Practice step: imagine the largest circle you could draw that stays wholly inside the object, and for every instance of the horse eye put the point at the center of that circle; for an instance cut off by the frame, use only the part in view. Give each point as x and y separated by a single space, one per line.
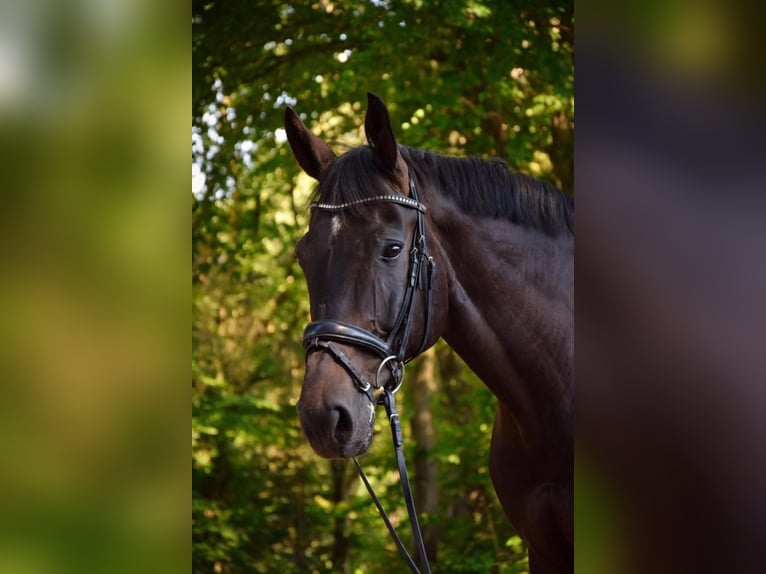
392 251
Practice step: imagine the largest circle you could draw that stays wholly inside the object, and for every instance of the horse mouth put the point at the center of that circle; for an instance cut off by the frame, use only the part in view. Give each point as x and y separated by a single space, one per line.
336 449
350 444
355 448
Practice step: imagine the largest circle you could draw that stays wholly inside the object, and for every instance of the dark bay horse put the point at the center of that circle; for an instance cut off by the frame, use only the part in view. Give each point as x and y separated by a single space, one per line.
405 246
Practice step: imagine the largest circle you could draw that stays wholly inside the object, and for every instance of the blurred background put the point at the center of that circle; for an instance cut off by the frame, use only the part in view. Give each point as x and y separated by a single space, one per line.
488 78
94 289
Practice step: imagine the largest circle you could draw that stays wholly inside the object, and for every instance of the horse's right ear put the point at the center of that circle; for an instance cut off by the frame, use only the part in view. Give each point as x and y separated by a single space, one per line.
312 153
380 134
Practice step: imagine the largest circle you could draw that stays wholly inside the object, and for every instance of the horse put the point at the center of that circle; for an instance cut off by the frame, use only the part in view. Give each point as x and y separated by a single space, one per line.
405 246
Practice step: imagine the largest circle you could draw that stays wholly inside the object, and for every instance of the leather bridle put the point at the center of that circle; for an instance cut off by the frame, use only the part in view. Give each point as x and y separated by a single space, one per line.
321 336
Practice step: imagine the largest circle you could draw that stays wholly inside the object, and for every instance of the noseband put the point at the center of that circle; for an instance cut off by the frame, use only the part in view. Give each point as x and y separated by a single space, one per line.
320 336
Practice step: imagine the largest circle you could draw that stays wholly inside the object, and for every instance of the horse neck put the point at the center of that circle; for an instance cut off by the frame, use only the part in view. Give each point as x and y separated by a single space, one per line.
510 312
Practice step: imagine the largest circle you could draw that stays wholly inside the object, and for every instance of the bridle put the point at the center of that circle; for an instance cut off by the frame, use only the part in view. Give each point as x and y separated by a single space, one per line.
321 336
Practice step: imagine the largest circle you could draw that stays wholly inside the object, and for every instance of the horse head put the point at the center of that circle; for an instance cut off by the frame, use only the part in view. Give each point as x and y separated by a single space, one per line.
369 276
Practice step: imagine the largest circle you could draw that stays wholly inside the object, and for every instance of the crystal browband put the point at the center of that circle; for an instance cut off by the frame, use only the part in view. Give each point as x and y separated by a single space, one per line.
400 199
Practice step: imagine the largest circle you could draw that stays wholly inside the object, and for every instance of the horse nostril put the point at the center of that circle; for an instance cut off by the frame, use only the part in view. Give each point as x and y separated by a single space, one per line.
344 427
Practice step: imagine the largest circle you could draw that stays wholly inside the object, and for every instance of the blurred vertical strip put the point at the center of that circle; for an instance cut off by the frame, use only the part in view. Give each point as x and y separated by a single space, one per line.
94 235
671 314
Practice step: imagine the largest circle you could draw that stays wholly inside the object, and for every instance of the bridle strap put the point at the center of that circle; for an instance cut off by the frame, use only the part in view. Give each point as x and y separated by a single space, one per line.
341 358
391 530
396 435
399 335
427 324
345 333
412 202
318 334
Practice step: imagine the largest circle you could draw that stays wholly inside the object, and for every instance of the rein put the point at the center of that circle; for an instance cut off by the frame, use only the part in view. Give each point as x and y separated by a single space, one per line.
320 335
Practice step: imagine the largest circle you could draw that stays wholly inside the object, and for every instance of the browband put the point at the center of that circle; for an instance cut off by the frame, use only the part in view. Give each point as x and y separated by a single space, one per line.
400 199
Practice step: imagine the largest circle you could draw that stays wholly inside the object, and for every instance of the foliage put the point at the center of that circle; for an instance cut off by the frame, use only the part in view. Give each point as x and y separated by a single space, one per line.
461 77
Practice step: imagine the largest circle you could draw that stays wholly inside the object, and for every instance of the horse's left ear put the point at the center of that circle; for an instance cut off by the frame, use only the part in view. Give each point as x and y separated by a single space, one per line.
380 134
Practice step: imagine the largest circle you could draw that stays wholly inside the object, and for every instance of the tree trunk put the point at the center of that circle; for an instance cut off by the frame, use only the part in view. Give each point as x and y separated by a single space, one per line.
299 520
423 433
340 484
453 387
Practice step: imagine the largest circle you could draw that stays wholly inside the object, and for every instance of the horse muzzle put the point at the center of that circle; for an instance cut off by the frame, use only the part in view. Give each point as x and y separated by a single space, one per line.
335 417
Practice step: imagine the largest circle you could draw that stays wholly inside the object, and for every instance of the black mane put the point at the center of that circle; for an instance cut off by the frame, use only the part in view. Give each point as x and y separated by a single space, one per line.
489 188
482 187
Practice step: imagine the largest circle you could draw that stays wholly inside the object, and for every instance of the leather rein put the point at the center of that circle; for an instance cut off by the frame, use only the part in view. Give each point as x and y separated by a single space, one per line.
320 336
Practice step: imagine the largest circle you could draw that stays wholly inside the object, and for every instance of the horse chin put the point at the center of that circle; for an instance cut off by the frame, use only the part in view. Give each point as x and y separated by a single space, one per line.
356 448
336 449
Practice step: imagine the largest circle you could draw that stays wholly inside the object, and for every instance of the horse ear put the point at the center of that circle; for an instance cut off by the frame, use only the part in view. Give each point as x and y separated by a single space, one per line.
312 153
380 134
